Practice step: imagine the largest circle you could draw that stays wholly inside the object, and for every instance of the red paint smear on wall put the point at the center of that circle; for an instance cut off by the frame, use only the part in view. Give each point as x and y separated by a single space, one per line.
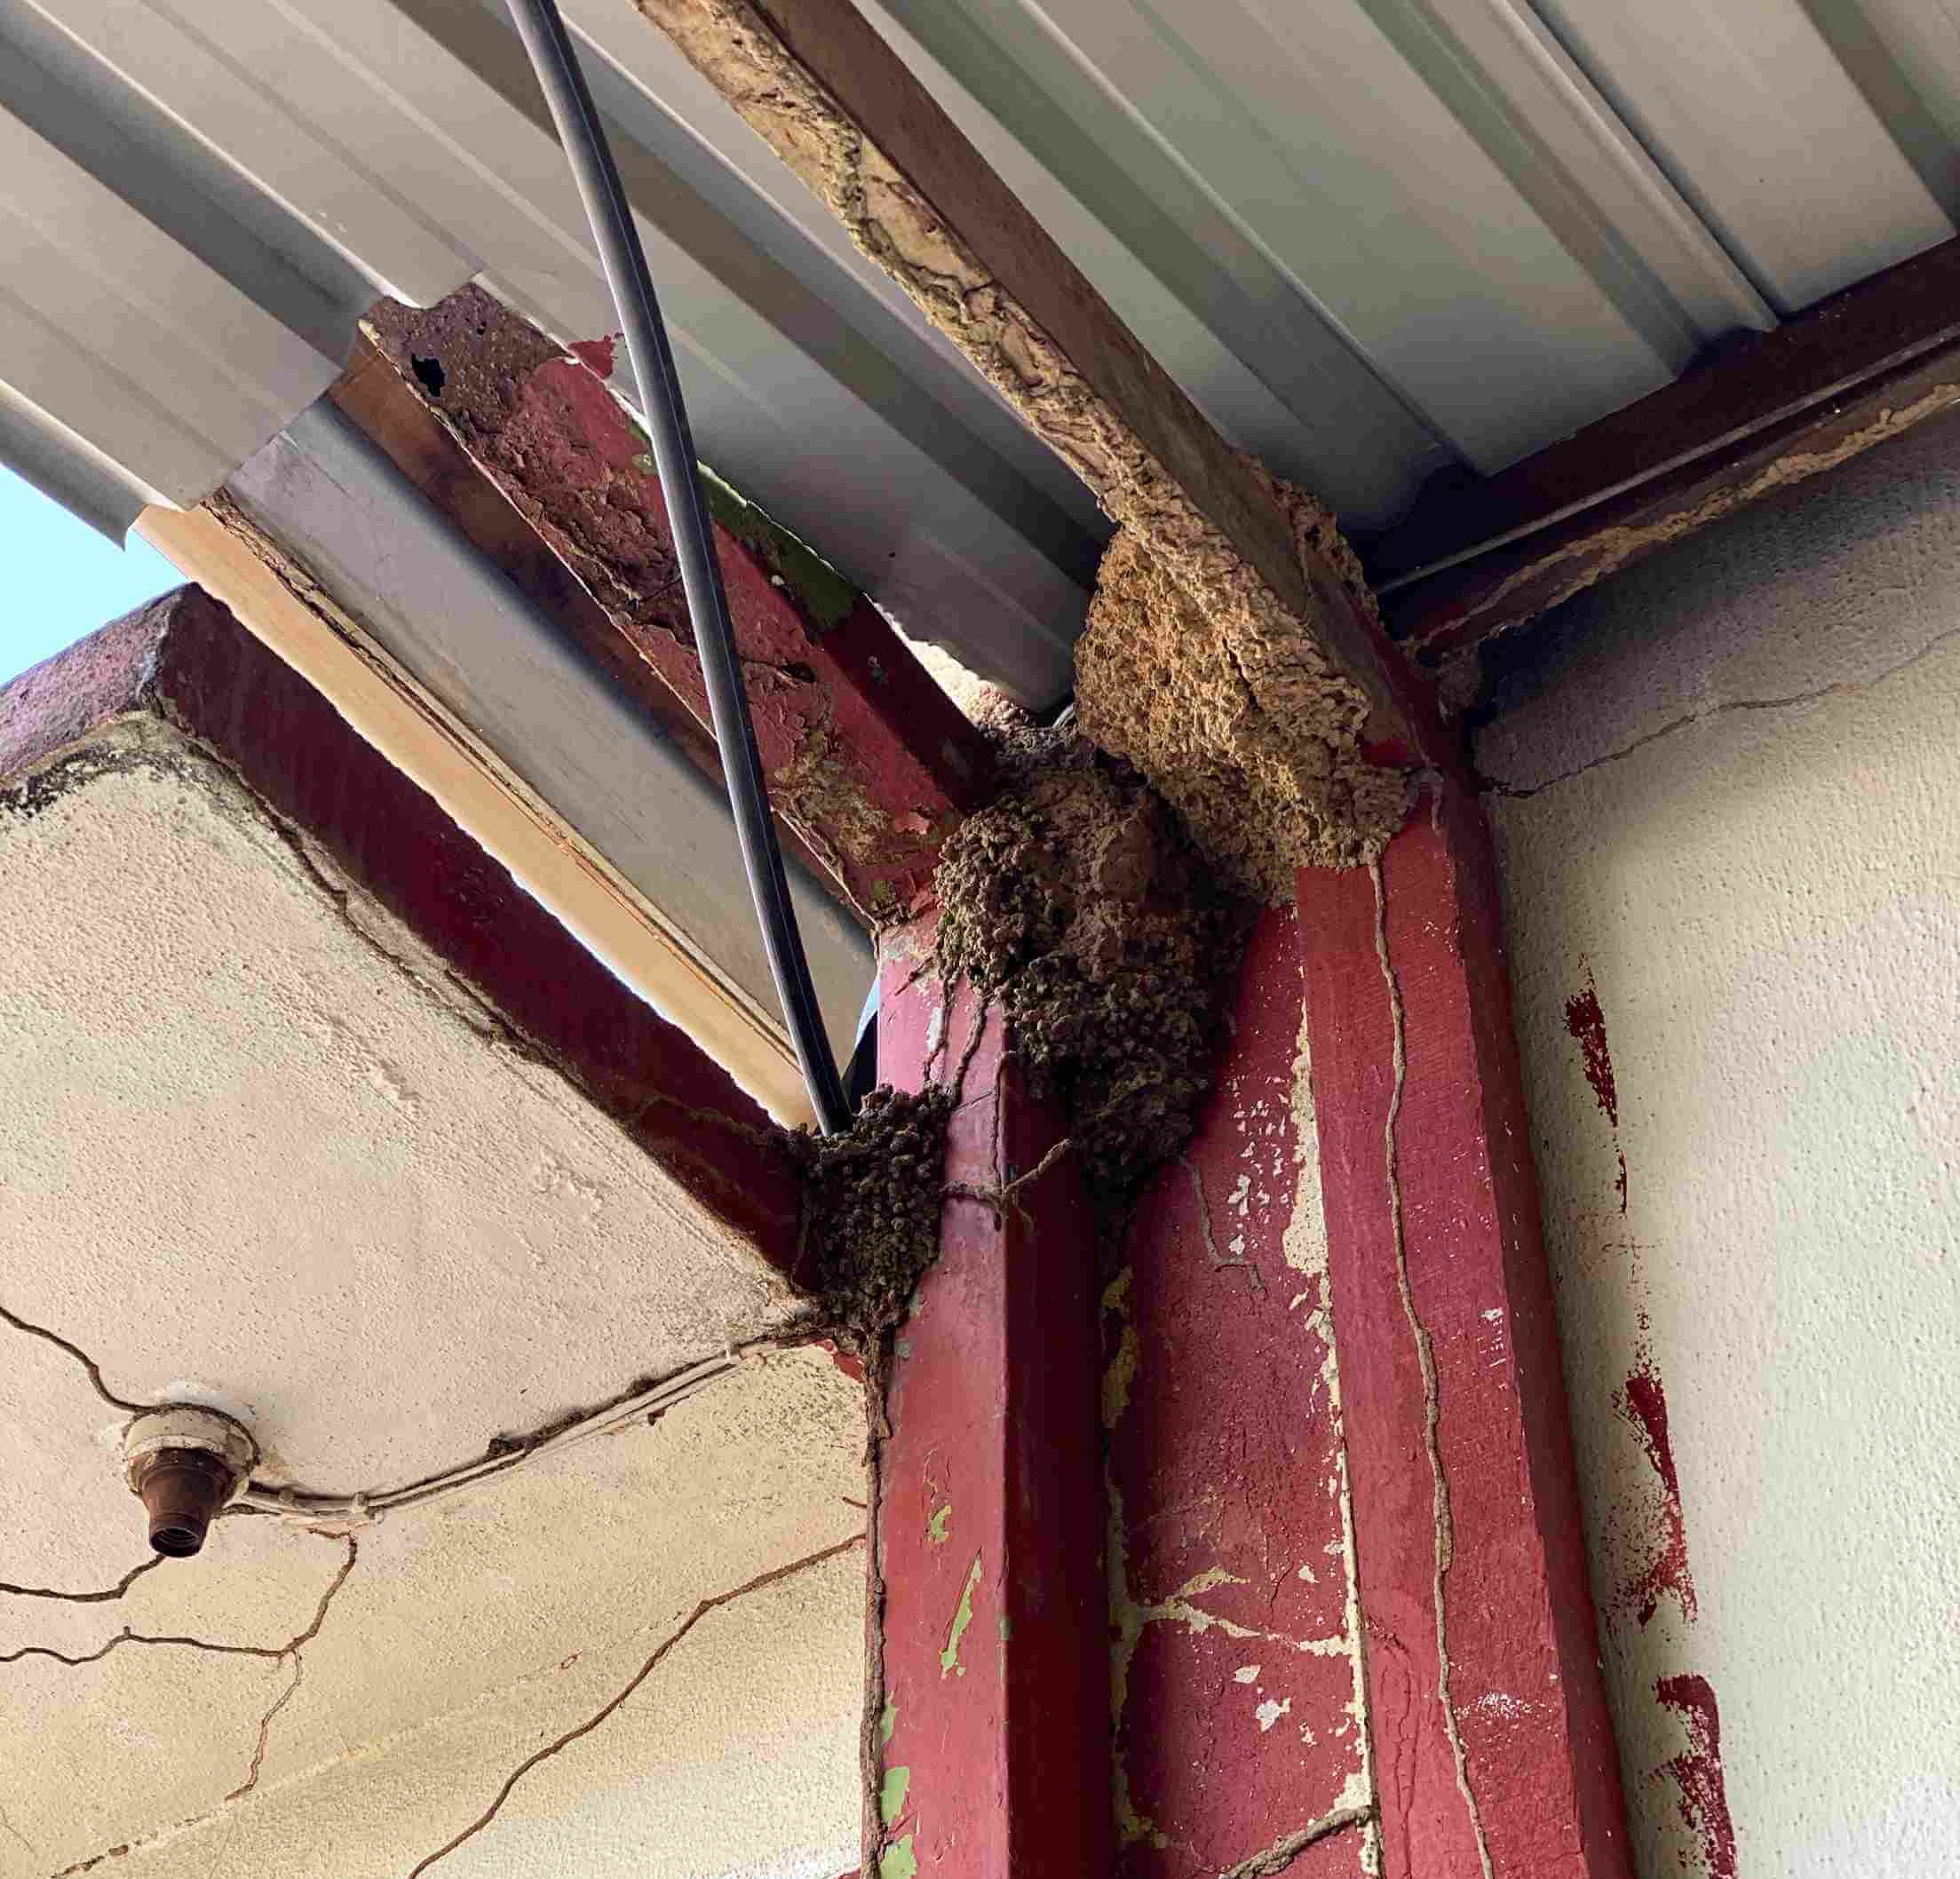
1647 1403
1698 1770
1643 1401
1588 1025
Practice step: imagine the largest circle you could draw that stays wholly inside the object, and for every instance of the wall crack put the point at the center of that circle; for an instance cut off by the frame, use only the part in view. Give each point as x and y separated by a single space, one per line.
295 1650
270 1654
113 1592
1288 1847
1219 1263
80 1357
661 1652
1706 714
1425 1357
14 1834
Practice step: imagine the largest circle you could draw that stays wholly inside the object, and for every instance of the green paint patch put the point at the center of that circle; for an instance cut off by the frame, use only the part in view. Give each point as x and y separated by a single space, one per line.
828 598
1006 1628
897 1860
888 1720
949 1658
897 1782
935 1525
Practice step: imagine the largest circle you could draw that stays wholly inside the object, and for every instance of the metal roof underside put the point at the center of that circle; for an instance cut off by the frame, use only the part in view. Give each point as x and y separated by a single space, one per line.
1373 239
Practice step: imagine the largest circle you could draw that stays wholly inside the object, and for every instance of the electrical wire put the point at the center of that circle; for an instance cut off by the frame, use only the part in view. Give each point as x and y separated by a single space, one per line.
584 139
644 1403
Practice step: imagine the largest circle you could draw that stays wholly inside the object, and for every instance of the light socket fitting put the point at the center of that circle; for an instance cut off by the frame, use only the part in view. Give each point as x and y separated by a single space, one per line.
184 1462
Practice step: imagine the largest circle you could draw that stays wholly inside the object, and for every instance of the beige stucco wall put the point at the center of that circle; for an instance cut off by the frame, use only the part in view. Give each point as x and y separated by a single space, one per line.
257 1151
1726 809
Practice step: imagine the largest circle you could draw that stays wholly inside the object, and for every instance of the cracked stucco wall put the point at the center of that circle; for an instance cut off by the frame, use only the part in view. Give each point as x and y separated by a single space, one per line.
248 1111
260 1152
464 1639
1725 792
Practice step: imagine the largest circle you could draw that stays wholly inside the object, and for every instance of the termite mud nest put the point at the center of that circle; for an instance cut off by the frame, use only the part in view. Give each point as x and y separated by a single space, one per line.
1079 904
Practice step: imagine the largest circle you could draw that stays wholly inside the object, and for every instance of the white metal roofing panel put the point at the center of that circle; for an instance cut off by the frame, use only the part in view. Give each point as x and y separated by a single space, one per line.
543 707
1764 131
1374 238
1921 39
794 401
1332 152
1209 301
115 334
236 79
640 79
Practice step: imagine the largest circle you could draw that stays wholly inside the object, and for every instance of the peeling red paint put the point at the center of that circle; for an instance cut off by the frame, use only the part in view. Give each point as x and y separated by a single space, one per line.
989 1604
868 761
1697 1770
1224 1461
1647 1403
1587 1023
1664 1570
847 1361
1650 1533
597 354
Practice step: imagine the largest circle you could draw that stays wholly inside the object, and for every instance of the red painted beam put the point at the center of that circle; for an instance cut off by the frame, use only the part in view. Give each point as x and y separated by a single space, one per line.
1238 1738
869 765
1494 1750
185 661
990 1664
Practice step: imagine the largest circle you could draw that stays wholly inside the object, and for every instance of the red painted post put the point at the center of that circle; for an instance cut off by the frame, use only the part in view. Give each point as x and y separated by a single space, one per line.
988 1655
1494 1749
1240 1744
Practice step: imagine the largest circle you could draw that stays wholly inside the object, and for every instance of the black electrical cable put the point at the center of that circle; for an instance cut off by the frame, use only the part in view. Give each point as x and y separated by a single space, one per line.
579 131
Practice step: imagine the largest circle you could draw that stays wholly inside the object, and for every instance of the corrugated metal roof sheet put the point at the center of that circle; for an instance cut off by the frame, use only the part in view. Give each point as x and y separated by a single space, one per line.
1372 238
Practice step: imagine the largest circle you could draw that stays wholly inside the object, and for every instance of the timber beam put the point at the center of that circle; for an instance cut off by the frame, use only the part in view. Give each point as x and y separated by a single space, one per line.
522 445
814 79
1766 410
1492 1748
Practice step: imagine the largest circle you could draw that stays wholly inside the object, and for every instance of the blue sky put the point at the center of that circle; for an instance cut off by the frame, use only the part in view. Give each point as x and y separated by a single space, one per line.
63 580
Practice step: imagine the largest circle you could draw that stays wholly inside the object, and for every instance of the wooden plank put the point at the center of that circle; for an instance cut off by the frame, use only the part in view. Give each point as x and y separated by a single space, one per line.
869 765
1764 411
1135 438
1492 1748
990 1700
422 741
188 661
